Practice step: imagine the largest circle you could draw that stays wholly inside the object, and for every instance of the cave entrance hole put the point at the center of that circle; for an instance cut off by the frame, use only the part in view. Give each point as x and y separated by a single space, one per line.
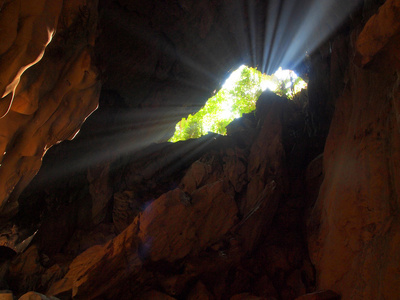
237 96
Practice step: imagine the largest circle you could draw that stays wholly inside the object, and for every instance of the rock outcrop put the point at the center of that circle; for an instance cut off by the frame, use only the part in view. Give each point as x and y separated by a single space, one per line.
196 218
354 225
270 211
46 99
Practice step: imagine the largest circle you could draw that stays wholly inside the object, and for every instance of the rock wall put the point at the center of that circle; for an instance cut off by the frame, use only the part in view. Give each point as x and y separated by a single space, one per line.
354 228
220 217
45 100
222 220
226 223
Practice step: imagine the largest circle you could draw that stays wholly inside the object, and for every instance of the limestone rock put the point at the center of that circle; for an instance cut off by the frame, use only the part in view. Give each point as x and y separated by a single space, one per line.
235 168
378 31
265 288
36 296
100 191
354 220
6 295
320 295
314 176
170 228
295 283
125 209
53 274
156 296
174 285
186 224
266 154
246 296
26 30
200 292
195 176
100 268
264 171
26 270
84 239
53 97
233 220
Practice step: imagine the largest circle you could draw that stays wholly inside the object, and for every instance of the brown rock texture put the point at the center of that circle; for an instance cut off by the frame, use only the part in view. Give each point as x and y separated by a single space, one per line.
35 296
379 31
177 224
47 103
113 216
169 229
320 295
27 29
187 241
110 263
354 225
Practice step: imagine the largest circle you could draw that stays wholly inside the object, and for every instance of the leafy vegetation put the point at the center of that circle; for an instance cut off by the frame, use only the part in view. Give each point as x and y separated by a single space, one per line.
238 95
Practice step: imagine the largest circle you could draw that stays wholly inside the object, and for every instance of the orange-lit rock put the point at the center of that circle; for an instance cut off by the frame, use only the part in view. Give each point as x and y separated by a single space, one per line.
320 295
100 191
26 270
26 29
35 296
125 209
354 228
379 31
213 218
177 224
56 119
100 268
53 97
155 295
170 228
200 292
248 296
196 232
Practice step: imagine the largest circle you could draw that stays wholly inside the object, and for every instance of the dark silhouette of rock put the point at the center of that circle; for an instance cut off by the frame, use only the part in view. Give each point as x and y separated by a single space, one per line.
301 196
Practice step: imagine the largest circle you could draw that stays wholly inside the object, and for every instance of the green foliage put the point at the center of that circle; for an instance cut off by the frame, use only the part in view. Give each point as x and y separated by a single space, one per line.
232 101
288 86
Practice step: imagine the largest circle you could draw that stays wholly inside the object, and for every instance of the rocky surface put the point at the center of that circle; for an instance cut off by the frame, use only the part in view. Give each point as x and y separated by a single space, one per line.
320 295
354 228
200 218
259 214
45 99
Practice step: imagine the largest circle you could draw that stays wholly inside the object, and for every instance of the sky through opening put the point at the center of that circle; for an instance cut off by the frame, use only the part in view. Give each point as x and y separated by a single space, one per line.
238 95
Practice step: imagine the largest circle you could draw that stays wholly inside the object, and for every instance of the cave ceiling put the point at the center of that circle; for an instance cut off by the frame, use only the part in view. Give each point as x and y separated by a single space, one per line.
300 196
148 64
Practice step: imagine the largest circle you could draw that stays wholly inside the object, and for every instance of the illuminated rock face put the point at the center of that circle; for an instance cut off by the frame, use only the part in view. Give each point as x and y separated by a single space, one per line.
227 219
200 229
354 227
46 99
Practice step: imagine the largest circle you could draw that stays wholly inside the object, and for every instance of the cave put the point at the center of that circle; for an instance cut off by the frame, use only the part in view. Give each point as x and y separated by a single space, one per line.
300 200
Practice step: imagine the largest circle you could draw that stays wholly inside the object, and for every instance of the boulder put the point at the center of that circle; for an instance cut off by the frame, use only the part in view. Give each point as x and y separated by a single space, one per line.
320 295
36 296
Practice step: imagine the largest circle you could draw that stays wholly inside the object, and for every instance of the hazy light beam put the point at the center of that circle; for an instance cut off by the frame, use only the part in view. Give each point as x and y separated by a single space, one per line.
293 28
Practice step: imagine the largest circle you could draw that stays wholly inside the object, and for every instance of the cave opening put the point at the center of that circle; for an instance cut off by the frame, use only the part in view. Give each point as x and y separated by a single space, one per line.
119 213
237 96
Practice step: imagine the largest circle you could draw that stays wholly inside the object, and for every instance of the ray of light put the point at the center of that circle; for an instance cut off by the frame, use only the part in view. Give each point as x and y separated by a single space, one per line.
289 30
293 29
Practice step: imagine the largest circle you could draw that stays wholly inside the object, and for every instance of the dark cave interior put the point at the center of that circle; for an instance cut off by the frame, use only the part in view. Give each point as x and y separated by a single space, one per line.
299 201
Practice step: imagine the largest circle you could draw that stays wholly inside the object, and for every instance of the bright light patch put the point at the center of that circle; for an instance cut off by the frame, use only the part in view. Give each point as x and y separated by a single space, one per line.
233 78
238 95
226 110
268 84
285 33
285 74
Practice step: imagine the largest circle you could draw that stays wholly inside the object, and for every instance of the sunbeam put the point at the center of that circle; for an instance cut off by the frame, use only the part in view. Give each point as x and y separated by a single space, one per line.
291 29
301 29
269 35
